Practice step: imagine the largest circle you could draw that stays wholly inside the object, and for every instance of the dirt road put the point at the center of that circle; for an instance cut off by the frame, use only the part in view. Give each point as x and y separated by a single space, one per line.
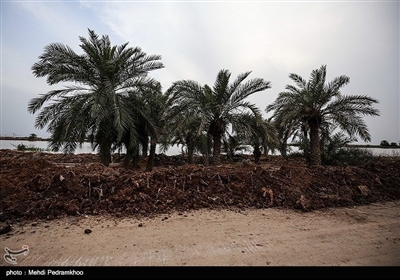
358 236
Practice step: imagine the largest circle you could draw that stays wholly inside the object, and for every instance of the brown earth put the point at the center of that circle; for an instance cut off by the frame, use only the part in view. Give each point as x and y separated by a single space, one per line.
367 235
70 193
48 186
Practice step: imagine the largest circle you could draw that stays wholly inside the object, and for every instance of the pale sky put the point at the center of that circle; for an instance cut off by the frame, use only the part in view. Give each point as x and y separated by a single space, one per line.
197 39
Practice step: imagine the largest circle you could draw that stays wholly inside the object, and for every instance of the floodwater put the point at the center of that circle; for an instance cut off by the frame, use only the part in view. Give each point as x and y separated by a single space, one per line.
85 149
174 150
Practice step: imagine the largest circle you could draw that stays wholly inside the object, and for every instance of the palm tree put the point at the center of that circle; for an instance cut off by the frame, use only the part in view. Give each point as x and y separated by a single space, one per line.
136 137
155 122
94 106
260 133
150 124
283 132
317 104
218 107
185 130
233 143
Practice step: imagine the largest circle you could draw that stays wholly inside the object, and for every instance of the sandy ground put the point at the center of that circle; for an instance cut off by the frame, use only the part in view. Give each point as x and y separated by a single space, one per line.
357 236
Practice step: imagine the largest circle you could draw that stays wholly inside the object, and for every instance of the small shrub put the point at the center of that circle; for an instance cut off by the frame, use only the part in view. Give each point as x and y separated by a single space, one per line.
32 137
348 156
385 143
22 147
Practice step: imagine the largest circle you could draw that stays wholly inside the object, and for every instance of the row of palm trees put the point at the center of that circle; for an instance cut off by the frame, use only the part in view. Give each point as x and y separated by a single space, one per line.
114 103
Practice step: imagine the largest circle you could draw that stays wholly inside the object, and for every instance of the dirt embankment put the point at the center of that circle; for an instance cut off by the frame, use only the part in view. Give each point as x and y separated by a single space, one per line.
72 211
48 186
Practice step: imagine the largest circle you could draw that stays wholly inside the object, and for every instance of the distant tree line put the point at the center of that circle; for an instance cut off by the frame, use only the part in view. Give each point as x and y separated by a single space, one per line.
386 143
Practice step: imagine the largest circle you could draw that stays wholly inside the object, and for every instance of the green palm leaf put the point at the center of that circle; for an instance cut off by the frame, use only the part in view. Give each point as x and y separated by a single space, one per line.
96 105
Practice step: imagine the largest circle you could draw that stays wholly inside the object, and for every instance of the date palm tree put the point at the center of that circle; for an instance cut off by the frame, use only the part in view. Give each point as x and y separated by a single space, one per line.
155 123
219 106
259 133
93 103
317 104
284 132
186 130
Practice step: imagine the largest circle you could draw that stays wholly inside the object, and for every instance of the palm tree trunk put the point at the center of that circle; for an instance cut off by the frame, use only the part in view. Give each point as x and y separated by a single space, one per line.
105 152
145 145
284 136
132 156
190 146
283 149
128 158
306 144
257 154
315 152
208 148
152 155
217 149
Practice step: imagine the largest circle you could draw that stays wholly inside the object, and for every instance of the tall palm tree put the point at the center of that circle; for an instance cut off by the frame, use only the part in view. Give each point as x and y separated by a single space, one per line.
217 107
319 104
94 104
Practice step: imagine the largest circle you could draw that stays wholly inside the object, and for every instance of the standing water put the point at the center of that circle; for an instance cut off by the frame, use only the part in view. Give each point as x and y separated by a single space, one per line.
85 149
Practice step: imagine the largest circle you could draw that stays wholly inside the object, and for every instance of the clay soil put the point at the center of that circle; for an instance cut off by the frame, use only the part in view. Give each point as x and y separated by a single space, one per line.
70 199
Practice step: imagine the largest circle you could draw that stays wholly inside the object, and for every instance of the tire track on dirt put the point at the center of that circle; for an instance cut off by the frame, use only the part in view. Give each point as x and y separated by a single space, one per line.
366 235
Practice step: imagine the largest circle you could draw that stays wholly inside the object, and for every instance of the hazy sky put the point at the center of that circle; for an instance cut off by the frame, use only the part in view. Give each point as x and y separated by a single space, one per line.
197 39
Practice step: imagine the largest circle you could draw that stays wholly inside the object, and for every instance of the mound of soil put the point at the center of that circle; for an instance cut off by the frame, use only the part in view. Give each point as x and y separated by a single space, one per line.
49 186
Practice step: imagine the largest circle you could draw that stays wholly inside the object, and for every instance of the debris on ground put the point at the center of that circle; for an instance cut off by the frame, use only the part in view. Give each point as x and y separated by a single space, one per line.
39 185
